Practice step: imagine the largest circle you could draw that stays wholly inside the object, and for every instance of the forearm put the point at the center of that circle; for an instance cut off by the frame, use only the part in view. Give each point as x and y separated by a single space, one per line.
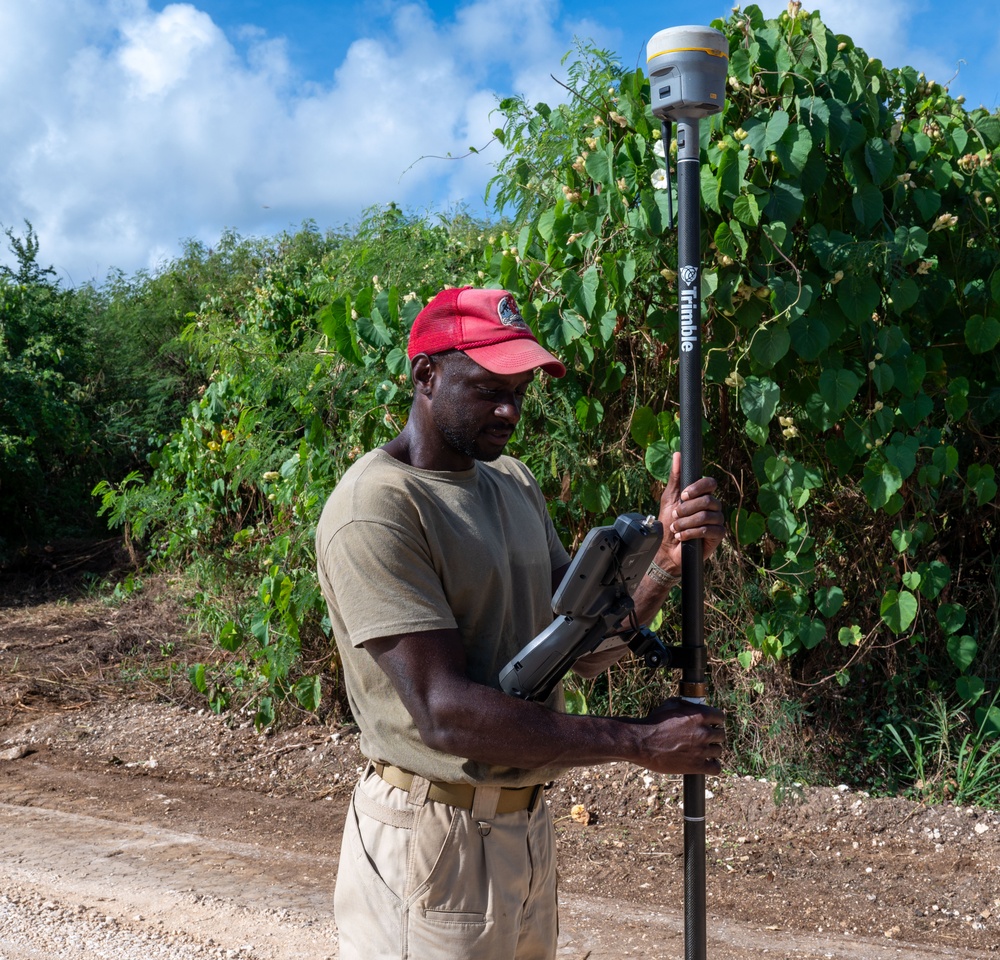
488 726
649 597
652 591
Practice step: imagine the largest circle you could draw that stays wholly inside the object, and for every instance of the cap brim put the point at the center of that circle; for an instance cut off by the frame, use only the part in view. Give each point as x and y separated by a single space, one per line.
516 356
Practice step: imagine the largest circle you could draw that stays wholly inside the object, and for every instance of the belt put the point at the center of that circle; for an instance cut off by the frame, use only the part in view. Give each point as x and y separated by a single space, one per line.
461 795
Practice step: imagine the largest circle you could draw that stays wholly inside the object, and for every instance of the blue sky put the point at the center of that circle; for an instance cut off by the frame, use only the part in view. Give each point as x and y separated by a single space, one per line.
131 125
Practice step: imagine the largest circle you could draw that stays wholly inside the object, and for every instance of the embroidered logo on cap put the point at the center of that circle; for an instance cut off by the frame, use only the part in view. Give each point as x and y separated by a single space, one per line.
509 315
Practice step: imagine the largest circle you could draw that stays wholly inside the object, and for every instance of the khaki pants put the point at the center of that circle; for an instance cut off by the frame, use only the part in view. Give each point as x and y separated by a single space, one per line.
427 881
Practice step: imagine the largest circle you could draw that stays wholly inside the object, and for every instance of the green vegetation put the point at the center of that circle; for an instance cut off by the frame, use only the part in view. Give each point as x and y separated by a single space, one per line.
852 388
45 427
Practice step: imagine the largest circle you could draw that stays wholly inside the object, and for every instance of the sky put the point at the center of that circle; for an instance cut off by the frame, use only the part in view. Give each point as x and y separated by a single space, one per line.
131 126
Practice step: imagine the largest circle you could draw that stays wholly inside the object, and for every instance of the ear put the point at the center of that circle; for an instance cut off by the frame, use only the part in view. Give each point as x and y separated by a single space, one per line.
422 373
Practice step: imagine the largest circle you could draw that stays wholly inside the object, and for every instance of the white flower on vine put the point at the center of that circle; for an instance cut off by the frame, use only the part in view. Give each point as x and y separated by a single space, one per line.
658 146
659 180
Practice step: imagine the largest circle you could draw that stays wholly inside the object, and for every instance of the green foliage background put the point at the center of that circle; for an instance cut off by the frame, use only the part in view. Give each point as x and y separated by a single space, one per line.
852 397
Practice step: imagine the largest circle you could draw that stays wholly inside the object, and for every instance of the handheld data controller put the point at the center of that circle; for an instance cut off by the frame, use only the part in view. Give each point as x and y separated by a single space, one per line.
592 601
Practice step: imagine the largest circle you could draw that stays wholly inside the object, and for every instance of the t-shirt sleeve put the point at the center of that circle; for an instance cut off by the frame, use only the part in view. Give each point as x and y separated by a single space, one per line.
384 582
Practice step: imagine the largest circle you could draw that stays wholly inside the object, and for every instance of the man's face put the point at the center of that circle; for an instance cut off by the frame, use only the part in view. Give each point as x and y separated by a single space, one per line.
475 410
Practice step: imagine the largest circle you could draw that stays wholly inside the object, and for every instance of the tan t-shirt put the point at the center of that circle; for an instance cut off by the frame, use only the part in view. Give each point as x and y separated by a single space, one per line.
404 550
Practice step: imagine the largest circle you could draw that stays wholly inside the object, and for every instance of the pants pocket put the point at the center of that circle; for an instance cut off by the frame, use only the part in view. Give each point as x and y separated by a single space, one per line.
450 909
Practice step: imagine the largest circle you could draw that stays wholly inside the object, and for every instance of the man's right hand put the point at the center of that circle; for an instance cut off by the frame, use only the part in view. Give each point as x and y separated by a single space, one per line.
685 737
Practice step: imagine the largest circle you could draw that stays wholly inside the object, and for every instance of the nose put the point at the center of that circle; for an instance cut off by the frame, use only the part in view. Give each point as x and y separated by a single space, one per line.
508 407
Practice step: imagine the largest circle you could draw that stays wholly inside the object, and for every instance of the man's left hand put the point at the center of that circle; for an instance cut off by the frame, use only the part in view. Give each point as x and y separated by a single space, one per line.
689 514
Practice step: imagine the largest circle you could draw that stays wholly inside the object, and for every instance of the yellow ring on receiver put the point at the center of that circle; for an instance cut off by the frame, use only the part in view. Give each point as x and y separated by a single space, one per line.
711 53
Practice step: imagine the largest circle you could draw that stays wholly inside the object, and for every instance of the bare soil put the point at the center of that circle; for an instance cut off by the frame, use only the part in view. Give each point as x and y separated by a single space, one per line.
126 805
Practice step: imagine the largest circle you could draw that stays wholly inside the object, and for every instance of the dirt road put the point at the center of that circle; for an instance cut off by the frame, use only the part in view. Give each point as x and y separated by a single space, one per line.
136 826
241 899
129 862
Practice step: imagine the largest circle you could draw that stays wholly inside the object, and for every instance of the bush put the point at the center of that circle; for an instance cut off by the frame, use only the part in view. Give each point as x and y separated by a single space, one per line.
45 422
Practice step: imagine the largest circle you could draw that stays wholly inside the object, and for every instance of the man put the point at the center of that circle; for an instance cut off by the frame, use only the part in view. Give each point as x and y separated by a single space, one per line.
438 560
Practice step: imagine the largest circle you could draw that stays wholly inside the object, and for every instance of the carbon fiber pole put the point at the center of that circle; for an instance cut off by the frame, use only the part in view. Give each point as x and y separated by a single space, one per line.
687 81
692 561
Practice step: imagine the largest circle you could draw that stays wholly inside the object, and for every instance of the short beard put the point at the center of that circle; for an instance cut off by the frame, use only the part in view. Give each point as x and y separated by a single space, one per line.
466 446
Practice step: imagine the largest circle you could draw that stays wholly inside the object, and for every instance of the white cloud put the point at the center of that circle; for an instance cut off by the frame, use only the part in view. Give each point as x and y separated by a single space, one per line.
131 134
515 32
127 130
162 51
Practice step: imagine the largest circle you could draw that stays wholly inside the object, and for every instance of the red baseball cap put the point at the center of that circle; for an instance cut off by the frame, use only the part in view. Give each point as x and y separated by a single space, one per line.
484 324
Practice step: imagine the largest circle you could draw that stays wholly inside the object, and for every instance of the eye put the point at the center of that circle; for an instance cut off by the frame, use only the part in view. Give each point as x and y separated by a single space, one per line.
496 394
